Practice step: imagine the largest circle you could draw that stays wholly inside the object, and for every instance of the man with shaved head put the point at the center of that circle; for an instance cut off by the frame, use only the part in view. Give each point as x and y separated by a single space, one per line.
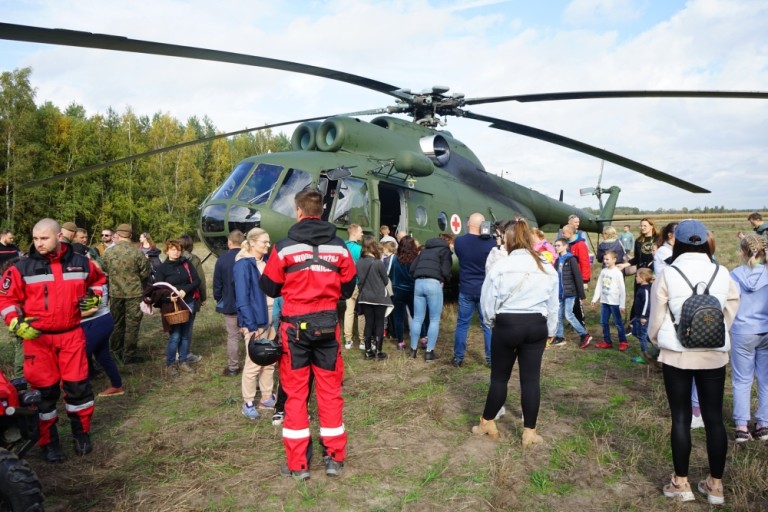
472 250
41 298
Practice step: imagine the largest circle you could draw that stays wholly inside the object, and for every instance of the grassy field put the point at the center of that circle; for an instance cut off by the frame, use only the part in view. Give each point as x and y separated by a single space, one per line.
182 445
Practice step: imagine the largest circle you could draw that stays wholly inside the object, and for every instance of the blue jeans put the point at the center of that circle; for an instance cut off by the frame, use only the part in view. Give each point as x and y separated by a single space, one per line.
468 304
178 340
606 312
566 312
749 359
641 331
427 294
97 332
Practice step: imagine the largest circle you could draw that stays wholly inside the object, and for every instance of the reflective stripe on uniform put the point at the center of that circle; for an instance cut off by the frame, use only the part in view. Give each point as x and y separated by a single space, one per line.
75 408
295 434
48 415
43 278
74 276
7 311
331 432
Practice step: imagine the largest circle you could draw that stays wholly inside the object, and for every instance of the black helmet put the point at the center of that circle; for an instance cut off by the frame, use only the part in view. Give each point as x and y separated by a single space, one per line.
263 352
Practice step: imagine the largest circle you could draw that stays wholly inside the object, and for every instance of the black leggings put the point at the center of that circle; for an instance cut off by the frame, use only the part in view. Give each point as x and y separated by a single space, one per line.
710 384
516 336
374 320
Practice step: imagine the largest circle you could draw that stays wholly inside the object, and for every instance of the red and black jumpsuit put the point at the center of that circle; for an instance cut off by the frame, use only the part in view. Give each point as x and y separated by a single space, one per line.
48 288
312 270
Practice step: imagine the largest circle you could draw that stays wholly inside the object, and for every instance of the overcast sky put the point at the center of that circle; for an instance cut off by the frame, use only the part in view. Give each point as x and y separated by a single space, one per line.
478 47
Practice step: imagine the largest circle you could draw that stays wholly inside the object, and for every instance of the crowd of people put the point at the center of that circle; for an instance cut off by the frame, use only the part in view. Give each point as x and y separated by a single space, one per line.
522 288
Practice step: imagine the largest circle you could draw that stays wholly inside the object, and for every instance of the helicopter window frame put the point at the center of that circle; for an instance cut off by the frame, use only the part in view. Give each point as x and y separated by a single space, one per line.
292 184
422 217
258 188
442 221
233 182
348 207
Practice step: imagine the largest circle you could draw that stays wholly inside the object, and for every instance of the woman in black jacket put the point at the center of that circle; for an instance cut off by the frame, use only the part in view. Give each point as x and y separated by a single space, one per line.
431 269
373 299
177 271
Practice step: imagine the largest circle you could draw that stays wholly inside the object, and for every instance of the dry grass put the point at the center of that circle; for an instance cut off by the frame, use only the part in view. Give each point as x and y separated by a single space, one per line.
183 445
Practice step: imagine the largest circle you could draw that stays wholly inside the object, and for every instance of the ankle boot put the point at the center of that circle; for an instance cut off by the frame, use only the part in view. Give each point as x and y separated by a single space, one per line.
379 354
370 352
413 353
531 437
486 427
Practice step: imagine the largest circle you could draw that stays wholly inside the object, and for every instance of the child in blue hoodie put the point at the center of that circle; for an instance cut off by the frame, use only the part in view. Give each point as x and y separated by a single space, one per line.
749 340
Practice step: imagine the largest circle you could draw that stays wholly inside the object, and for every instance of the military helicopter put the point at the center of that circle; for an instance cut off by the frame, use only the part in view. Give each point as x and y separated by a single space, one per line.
410 175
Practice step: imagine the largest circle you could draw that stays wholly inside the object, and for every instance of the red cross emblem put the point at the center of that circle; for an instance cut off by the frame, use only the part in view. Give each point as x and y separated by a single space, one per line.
455 224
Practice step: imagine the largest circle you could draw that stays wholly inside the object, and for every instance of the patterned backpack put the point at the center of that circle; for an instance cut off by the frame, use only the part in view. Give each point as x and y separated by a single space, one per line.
702 323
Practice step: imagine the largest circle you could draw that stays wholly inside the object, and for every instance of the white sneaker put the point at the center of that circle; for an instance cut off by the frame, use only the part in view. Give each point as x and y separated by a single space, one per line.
500 414
697 422
348 344
362 345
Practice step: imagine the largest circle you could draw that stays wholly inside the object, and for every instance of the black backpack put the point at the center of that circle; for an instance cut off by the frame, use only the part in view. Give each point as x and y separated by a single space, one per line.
702 323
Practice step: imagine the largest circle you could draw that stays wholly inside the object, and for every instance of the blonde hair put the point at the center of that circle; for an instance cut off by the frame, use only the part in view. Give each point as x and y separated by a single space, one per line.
753 249
609 232
251 237
646 275
390 246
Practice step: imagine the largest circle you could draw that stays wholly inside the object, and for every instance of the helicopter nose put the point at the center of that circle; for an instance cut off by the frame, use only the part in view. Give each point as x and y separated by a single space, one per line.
219 219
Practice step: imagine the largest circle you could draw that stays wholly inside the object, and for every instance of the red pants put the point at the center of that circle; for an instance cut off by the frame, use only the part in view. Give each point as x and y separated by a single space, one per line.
323 358
55 361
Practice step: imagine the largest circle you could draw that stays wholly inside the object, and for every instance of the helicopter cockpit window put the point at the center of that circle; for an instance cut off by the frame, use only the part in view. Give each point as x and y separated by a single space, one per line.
233 182
421 216
442 221
260 185
352 203
295 181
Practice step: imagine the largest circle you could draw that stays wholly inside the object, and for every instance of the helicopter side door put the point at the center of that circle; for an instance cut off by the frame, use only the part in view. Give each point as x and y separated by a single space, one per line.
393 208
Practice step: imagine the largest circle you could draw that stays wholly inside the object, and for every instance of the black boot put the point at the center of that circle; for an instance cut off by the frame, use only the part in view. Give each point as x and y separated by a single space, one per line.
83 444
379 354
370 353
52 451
413 353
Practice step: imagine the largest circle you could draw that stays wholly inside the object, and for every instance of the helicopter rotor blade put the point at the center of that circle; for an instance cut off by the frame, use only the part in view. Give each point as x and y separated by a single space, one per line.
130 158
581 147
586 95
64 37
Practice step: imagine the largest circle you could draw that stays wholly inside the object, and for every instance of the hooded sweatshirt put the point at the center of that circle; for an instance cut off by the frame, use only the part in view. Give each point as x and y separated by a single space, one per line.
752 316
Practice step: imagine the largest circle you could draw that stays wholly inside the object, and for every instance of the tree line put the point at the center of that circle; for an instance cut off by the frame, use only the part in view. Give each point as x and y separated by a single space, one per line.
159 194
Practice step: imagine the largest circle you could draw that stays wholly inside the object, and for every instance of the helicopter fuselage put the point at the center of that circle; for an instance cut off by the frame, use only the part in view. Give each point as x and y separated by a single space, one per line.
389 171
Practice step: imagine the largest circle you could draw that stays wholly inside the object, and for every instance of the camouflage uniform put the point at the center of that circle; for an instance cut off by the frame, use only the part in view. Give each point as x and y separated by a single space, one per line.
128 269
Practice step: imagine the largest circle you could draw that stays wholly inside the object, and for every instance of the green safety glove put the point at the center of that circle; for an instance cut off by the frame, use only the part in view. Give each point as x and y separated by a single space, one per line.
22 327
90 301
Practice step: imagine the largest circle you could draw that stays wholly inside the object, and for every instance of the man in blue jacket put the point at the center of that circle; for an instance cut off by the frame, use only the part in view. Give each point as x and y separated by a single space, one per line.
224 295
472 250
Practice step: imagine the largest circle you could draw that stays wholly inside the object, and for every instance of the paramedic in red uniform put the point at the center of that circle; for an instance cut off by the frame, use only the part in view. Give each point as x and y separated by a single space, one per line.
40 300
312 270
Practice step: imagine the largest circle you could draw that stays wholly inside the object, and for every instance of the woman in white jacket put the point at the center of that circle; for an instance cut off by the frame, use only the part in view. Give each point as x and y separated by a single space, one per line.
691 255
519 301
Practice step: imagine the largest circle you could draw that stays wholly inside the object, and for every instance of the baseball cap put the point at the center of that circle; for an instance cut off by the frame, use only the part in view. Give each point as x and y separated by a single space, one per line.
691 232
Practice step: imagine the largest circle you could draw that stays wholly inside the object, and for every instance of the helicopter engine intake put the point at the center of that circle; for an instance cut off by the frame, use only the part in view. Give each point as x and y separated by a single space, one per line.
304 138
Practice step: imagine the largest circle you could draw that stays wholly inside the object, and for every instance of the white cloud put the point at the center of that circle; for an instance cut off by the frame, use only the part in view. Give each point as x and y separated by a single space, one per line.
478 48
591 12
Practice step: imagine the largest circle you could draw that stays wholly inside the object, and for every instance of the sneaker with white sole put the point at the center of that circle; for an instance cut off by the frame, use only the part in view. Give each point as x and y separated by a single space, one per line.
277 418
268 403
361 346
348 344
714 494
742 436
678 490
250 412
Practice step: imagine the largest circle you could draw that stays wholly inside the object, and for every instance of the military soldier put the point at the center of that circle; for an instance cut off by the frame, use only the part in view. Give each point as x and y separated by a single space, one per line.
128 270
